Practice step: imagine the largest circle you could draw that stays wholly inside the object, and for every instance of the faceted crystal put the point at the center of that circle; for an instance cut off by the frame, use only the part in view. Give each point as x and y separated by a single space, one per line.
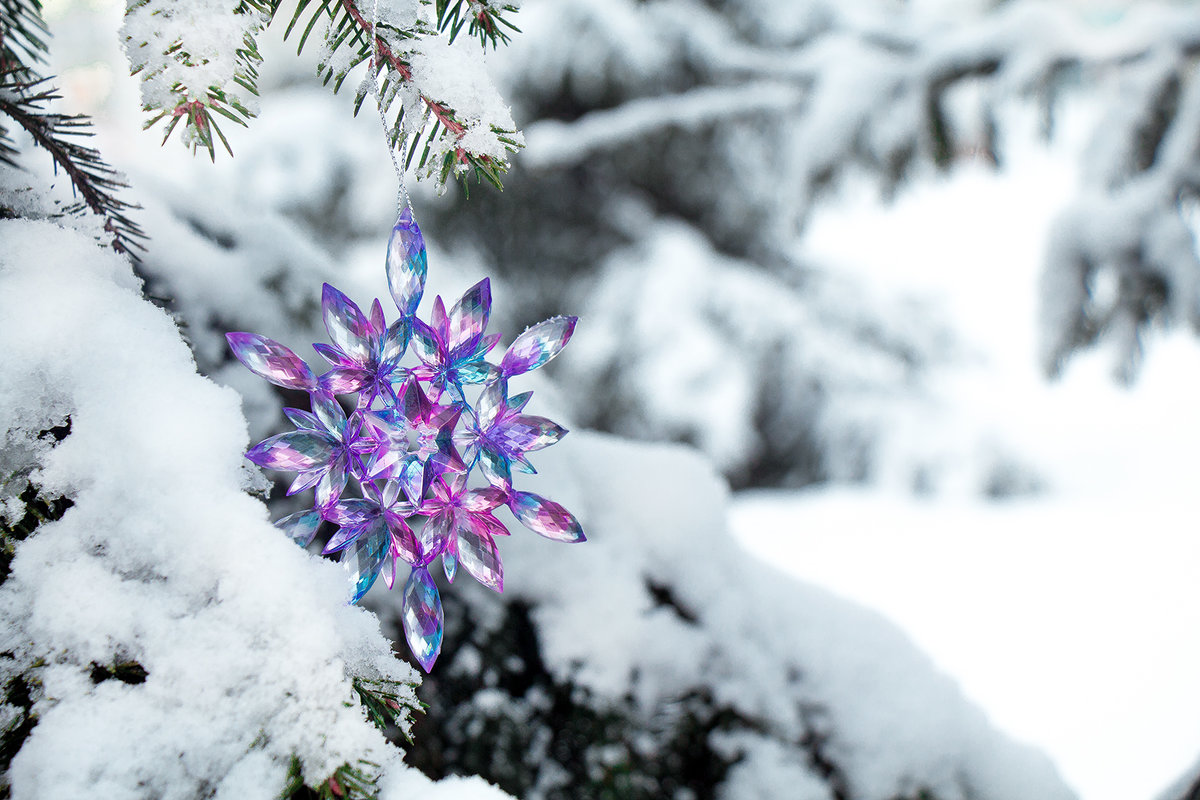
303 419
545 517
363 559
293 451
491 400
347 534
406 264
348 328
329 411
525 433
301 526
423 617
495 467
269 359
478 555
537 345
449 563
469 316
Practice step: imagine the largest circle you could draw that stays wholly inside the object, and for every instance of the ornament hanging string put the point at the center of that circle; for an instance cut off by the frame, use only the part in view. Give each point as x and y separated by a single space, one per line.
402 199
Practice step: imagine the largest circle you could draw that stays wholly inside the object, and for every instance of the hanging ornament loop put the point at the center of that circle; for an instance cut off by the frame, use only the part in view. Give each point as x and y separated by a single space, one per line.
372 81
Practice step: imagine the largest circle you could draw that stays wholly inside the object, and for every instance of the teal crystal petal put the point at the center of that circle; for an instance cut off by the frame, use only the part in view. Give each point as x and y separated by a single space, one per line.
329 411
450 563
406 264
423 617
301 526
495 467
363 559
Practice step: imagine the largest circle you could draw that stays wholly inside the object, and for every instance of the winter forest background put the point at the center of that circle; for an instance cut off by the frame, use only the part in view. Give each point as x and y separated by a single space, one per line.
883 408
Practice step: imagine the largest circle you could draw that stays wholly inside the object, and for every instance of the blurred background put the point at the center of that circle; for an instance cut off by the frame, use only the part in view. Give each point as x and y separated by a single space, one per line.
919 279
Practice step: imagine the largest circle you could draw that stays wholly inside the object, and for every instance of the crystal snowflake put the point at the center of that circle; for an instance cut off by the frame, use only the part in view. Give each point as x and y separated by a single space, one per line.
413 441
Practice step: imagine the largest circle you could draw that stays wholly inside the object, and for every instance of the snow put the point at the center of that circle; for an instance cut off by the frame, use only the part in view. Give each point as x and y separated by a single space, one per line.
1069 614
163 559
789 657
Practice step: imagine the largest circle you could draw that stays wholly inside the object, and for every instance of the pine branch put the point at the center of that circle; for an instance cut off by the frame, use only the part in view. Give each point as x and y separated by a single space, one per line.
388 703
485 20
349 26
203 84
23 36
93 180
346 783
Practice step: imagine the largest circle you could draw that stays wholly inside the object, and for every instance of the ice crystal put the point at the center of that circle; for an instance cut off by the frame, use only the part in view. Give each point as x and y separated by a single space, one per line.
414 442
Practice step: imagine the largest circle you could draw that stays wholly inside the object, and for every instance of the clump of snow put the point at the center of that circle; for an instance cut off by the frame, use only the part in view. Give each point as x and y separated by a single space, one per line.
189 50
248 644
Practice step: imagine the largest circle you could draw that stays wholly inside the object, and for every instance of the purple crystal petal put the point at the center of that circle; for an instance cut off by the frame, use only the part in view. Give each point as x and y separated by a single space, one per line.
537 345
348 328
347 535
351 511
526 433
545 517
334 356
489 525
423 618
406 264
269 359
437 321
478 555
405 545
363 560
484 499
301 526
469 316
293 451
344 380
378 323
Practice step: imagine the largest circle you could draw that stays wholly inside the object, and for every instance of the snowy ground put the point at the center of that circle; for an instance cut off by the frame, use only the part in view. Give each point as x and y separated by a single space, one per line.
1070 615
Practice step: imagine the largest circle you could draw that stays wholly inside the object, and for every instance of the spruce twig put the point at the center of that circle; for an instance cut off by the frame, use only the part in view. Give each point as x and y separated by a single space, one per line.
95 182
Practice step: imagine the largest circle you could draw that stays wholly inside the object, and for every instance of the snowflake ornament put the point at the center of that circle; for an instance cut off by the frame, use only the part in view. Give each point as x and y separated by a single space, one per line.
429 467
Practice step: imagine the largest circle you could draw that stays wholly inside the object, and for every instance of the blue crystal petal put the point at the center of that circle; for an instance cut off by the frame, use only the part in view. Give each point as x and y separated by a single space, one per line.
406 264
301 526
363 560
423 617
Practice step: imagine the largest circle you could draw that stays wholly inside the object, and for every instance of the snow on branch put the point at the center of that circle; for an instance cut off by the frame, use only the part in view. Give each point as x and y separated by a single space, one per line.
199 58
